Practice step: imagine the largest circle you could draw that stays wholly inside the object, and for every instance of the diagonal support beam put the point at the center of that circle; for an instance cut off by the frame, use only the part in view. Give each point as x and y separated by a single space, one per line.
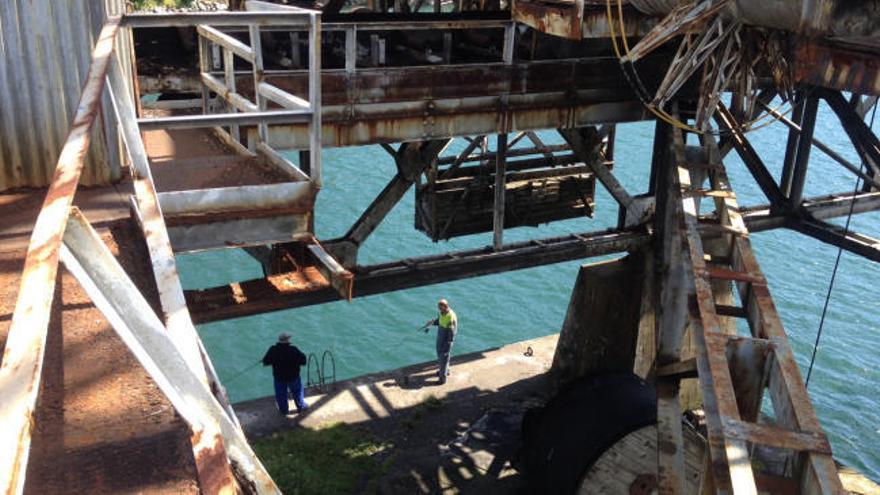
22 362
824 148
585 142
412 159
680 21
866 143
750 157
860 244
113 292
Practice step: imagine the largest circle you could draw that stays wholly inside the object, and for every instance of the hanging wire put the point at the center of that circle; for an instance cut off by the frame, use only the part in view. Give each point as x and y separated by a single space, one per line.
836 265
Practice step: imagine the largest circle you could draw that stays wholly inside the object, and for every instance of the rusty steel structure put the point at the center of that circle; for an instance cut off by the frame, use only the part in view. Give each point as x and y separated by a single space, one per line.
410 73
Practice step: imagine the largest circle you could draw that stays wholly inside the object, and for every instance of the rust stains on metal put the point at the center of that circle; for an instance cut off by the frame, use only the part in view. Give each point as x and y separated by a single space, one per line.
212 464
835 65
21 369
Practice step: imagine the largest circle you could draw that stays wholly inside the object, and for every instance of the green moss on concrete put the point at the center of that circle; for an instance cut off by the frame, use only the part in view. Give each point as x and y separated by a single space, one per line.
334 459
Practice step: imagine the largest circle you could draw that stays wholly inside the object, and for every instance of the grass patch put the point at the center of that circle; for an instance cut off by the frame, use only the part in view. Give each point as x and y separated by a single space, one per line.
430 404
333 459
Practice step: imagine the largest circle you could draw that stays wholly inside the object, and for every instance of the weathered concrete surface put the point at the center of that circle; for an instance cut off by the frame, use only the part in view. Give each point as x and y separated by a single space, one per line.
380 395
459 437
601 325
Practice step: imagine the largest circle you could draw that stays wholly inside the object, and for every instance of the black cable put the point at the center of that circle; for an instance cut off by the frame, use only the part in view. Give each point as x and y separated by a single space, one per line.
836 264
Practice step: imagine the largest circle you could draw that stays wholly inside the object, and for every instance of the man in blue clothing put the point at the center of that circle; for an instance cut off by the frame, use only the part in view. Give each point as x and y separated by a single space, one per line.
286 360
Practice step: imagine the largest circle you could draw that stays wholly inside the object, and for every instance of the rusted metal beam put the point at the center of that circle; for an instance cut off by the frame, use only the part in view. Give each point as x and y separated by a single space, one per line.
412 159
791 404
226 41
287 19
22 366
805 137
760 218
794 128
340 278
731 470
863 138
860 244
269 117
672 307
213 432
750 157
270 294
155 233
585 143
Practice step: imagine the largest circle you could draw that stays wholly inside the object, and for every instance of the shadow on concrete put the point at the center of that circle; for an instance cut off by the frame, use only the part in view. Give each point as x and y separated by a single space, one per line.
455 438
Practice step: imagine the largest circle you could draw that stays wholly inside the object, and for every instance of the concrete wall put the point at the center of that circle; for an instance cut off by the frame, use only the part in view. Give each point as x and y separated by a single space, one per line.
45 50
601 327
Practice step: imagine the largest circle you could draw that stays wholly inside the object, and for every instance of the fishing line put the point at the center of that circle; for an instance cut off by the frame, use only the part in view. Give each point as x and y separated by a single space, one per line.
836 264
242 372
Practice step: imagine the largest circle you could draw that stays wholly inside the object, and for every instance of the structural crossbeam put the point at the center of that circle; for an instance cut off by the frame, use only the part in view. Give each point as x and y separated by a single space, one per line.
269 294
854 242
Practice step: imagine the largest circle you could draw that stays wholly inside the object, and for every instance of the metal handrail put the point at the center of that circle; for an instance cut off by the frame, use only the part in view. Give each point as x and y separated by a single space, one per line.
309 382
22 366
323 363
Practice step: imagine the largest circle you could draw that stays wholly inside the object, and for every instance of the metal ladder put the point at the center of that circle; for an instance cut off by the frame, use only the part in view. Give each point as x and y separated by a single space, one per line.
714 253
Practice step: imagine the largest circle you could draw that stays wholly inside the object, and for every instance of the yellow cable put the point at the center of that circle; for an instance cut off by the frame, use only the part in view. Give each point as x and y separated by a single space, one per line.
658 112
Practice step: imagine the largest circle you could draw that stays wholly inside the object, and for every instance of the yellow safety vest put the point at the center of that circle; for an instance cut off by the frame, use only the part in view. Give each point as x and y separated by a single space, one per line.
446 320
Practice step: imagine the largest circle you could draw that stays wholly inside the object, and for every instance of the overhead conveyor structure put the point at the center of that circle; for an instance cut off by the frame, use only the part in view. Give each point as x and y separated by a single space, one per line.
232 160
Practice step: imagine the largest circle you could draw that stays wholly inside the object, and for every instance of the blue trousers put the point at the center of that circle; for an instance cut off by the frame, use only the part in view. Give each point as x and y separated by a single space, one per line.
296 388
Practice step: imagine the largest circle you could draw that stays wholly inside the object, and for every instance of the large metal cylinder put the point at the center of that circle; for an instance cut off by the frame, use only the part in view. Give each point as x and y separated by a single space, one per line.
844 19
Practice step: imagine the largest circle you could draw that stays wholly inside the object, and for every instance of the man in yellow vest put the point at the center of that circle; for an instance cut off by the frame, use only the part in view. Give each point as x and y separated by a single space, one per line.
447 325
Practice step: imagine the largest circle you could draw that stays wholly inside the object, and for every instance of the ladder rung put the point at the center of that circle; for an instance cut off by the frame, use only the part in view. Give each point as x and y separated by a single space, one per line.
771 436
714 228
679 370
707 193
728 274
735 311
703 166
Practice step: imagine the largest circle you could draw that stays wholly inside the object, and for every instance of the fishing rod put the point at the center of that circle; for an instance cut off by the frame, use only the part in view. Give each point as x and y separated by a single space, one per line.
242 372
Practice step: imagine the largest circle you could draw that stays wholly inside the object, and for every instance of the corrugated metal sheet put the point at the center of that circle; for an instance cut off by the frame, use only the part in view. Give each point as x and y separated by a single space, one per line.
45 49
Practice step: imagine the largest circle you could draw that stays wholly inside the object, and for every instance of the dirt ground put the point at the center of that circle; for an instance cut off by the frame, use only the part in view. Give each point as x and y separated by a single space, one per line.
187 159
102 425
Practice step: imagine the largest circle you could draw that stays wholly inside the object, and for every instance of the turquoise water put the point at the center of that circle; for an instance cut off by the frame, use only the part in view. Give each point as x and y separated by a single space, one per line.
380 332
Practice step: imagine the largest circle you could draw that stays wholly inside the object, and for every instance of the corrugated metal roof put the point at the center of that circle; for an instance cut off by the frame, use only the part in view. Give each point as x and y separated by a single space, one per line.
45 49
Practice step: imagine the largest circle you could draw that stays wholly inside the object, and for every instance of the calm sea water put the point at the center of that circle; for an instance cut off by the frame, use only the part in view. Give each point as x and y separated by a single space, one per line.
380 332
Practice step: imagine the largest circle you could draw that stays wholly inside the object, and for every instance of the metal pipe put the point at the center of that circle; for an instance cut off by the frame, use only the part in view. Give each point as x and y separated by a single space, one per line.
223 119
500 190
803 151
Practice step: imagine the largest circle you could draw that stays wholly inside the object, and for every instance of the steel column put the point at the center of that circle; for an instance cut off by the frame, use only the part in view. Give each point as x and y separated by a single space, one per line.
799 175
500 190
